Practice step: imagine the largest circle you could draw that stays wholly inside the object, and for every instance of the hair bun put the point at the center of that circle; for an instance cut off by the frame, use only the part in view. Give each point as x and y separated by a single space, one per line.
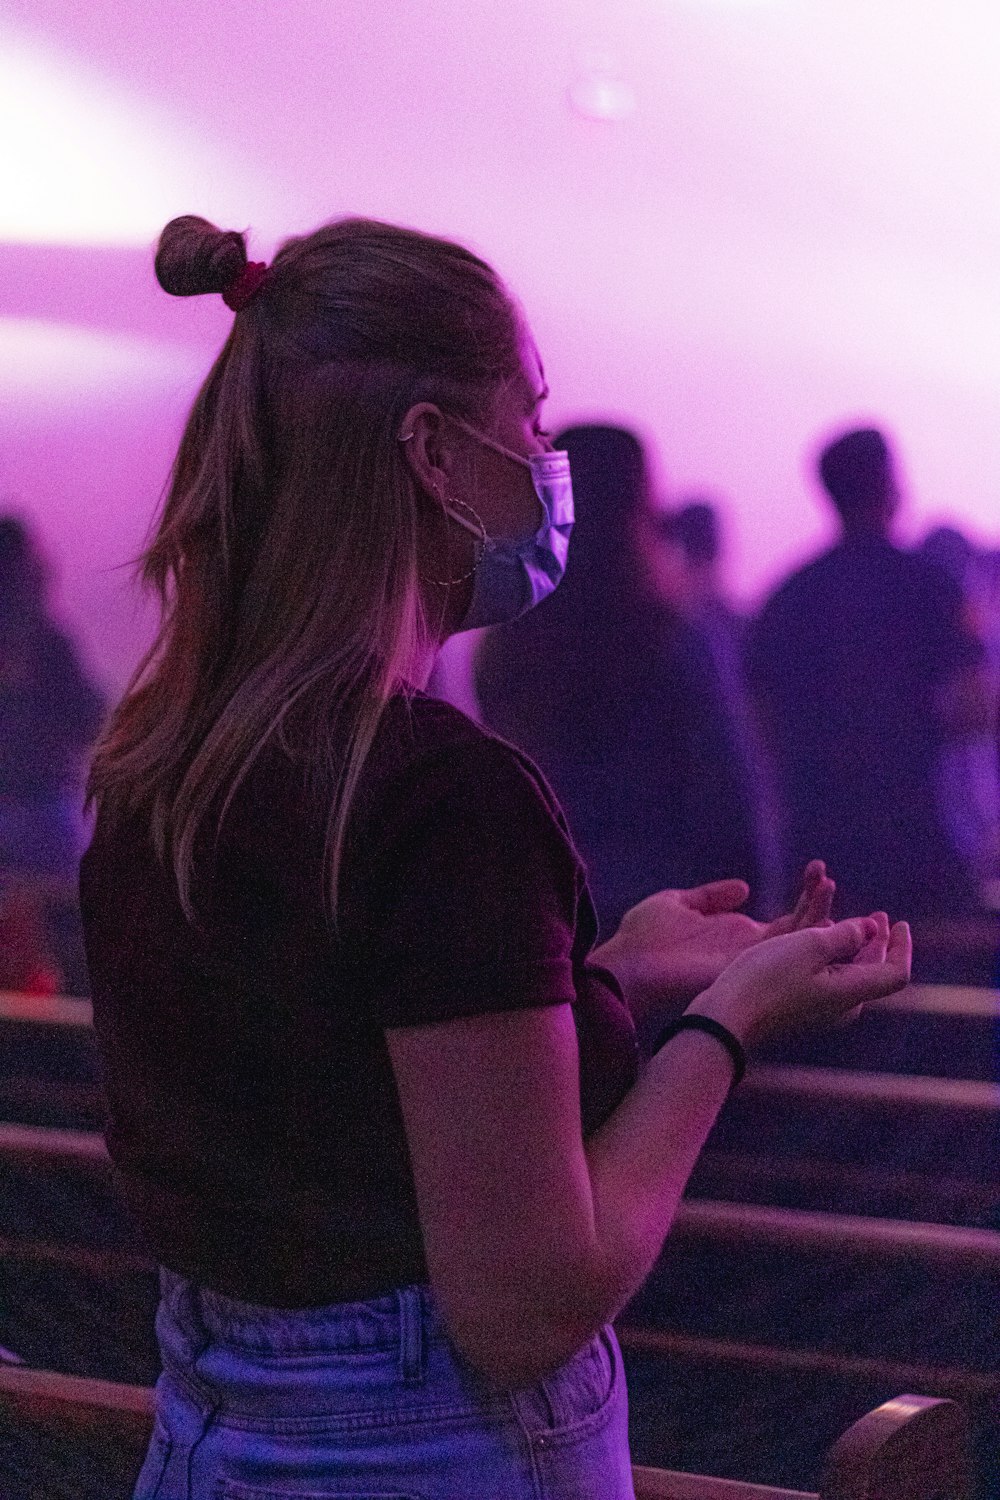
193 257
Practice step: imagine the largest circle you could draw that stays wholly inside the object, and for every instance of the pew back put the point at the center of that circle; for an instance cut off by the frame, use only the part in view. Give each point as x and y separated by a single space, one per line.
911 1448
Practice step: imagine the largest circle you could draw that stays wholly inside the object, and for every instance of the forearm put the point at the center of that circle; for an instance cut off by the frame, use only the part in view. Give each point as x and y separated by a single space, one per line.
642 1157
520 1316
638 1165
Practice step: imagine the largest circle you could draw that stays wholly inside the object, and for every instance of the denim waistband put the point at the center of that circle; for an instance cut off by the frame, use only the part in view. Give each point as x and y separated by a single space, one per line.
250 1358
399 1320
374 1394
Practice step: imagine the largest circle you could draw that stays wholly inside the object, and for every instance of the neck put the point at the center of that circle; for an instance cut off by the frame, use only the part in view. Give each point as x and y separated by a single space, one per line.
871 531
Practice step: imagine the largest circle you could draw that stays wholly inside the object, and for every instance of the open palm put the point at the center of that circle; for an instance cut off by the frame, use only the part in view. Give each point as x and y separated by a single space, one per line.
675 944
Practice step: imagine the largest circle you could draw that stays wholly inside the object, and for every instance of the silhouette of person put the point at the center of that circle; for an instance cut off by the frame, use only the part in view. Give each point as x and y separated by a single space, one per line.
694 584
865 666
50 714
970 769
613 691
695 528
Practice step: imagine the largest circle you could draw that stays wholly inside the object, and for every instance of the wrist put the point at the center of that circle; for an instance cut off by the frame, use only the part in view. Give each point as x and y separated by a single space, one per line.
616 961
736 1013
696 1021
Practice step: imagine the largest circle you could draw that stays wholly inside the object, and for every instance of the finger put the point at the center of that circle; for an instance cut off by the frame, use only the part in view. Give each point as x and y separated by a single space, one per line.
856 983
789 921
875 950
900 950
818 903
843 941
814 904
718 896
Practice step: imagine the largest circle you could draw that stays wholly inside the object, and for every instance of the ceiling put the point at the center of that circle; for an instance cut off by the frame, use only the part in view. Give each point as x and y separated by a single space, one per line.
734 223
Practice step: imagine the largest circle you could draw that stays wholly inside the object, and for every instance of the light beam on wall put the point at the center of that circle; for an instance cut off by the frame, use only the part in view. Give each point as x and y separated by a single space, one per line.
52 362
82 164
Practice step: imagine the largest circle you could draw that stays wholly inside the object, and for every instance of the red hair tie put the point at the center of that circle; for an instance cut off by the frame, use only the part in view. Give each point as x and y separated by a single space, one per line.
244 287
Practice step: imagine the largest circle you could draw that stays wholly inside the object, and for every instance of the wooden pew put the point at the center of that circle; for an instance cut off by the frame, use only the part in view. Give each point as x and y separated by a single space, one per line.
45 1010
71 1402
955 1001
68 1438
49 1072
938 1030
911 1448
924 1100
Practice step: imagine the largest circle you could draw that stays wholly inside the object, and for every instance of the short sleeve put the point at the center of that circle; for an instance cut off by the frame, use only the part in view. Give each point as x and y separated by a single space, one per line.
471 896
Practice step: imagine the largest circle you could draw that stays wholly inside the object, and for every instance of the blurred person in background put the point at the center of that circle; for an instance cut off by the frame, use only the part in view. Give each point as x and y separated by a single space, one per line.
692 583
694 526
970 764
866 668
50 715
613 689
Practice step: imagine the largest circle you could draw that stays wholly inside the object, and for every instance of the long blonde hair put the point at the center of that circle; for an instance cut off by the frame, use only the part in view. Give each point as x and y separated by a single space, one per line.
285 554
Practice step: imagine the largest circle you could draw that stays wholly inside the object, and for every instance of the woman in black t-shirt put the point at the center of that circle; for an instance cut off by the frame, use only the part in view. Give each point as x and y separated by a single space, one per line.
377 1101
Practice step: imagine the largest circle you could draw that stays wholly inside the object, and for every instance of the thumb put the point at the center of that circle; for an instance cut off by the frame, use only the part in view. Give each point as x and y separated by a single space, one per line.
717 896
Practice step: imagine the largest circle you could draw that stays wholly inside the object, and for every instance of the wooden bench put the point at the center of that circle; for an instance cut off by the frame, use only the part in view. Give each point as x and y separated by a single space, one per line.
912 1448
72 1402
934 999
67 1438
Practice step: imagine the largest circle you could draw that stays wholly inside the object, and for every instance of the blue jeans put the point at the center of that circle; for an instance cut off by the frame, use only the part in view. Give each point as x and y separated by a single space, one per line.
368 1401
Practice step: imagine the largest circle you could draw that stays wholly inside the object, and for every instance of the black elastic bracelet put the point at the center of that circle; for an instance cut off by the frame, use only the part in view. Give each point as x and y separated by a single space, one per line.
732 1044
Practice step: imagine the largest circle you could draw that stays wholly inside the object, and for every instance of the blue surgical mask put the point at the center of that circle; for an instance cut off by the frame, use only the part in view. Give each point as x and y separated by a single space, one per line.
512 577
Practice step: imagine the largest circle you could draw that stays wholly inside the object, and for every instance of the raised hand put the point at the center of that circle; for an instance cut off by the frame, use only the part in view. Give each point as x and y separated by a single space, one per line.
817 976
675 944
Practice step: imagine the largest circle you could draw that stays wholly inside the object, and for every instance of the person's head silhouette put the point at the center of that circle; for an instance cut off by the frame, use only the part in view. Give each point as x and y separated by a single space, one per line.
22 571
858 473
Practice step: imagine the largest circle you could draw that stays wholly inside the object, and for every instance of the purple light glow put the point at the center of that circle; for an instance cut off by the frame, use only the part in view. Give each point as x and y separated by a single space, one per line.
794 225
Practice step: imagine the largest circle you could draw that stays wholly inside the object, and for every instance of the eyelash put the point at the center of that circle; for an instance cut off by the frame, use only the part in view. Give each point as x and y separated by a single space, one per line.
542 432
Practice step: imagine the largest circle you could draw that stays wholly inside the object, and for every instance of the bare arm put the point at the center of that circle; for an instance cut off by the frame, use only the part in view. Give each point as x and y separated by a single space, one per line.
534 1238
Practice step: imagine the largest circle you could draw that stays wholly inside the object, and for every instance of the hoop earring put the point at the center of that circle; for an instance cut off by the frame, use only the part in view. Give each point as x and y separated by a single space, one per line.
480 546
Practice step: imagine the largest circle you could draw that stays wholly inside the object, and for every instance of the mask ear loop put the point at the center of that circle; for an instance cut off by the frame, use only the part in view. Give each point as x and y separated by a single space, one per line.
482 539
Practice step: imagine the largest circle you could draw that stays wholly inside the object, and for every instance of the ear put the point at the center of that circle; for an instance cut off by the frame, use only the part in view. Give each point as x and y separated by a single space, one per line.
424 439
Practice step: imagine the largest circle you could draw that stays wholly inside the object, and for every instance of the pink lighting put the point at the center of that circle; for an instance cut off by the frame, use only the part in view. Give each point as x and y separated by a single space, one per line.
50 364
788 221
86 163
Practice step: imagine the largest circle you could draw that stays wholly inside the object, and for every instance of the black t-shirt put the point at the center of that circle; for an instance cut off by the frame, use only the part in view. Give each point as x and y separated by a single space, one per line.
253 1114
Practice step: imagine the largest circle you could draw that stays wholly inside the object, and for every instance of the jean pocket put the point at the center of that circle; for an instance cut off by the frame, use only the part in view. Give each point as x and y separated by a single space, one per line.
579 1396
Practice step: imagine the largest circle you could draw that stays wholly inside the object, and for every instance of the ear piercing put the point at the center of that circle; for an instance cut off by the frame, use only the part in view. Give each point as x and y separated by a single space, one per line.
477 528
